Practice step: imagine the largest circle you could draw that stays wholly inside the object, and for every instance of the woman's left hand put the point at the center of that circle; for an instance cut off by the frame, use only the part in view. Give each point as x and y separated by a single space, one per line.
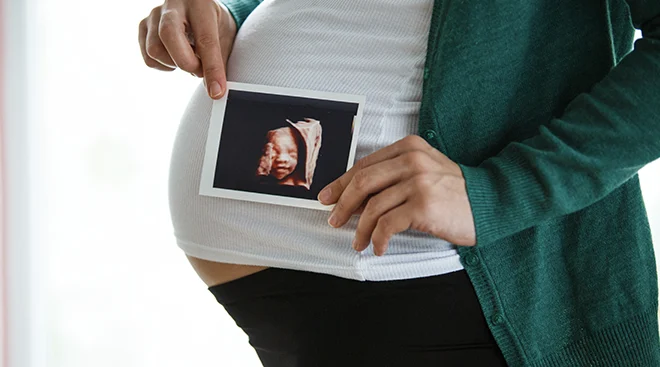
408 184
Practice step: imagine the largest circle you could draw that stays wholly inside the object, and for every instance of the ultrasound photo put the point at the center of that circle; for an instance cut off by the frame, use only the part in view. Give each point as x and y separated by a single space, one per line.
279 145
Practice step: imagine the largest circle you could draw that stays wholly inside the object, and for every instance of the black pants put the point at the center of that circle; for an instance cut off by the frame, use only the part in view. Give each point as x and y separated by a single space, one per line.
296 318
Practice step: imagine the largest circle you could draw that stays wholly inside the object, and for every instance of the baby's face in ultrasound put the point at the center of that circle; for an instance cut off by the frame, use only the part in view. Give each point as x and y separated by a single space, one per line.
284 153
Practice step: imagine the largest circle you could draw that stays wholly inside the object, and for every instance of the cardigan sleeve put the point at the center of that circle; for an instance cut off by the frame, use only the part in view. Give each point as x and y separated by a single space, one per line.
600 141
240 9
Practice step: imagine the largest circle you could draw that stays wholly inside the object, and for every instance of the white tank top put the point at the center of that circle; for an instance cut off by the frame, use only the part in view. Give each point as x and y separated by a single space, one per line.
375 48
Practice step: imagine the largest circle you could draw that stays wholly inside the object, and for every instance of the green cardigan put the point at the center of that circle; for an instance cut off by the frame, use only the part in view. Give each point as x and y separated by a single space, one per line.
550 116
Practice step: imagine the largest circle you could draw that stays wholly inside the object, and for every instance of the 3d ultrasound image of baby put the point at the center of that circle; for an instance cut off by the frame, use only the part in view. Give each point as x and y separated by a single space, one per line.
290 154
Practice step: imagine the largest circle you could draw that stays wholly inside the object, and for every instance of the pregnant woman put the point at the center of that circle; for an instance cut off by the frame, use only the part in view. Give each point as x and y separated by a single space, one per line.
512 232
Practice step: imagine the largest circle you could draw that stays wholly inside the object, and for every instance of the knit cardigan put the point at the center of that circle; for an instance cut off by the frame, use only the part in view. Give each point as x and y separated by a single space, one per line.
550 112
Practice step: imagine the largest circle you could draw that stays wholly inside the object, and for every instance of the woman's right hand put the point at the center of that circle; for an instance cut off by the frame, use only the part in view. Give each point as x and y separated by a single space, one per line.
193 35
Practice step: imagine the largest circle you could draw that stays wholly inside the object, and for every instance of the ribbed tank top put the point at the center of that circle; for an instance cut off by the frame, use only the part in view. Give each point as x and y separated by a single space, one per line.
375 48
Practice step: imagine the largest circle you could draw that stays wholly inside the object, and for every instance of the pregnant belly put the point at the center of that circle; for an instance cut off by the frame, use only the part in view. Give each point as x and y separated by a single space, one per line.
325 46
215 273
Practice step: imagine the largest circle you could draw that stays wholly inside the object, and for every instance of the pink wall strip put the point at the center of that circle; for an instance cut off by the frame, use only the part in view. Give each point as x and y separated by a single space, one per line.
4 337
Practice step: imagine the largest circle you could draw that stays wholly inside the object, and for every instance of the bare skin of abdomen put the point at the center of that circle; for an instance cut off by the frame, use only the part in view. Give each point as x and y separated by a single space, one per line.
215 273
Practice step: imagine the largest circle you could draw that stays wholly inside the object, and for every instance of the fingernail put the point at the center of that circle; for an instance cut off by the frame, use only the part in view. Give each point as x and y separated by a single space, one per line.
324 195
332 221
355 245
215 90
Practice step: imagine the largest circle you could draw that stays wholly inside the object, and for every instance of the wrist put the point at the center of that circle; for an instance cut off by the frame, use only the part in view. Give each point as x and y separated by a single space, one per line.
228 29
228 19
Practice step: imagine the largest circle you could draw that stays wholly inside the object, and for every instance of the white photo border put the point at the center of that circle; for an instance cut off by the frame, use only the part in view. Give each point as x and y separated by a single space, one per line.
214 138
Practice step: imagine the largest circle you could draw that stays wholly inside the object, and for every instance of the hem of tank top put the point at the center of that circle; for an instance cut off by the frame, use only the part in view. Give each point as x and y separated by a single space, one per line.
202 252
358 272
377 274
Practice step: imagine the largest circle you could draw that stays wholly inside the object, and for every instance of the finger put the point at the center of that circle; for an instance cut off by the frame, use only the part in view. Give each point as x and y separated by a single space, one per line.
331 193
373 179
396 220
360 210
154 46
204 23
172 33
376 207
142 38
